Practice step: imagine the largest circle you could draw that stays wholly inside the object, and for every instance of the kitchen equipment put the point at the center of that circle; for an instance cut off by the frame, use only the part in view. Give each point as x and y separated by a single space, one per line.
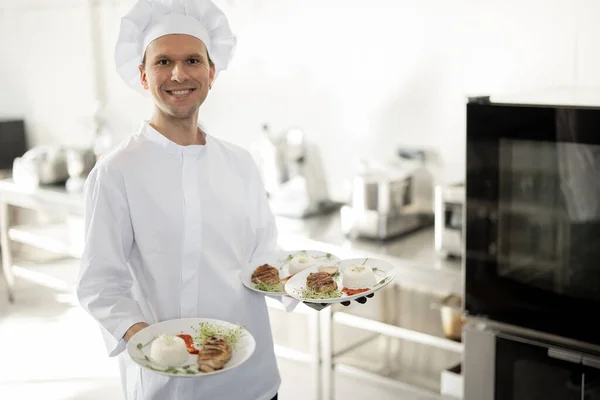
501 364
452 382
79 164
449 205
293 174
532 209
13 142
451 316
389 199
42 165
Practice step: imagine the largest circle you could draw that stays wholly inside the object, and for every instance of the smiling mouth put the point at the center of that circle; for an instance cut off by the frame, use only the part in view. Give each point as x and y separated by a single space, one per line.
180 92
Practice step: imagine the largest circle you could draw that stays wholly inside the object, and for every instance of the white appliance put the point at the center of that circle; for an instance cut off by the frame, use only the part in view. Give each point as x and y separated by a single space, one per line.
42 165
292 171
449 208
389 199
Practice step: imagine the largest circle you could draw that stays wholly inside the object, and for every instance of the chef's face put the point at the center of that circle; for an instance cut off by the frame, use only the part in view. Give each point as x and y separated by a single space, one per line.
178 73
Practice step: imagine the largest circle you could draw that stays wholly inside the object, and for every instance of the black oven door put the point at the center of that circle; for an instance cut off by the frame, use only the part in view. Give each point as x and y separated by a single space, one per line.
591 378
505 366
527 370
532 255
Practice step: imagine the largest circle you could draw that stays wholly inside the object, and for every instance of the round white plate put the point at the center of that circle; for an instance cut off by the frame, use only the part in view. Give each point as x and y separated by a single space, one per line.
281 261
139 346
384 272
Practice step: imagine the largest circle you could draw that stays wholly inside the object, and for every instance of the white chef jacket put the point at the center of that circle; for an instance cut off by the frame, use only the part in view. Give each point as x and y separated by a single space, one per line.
168 229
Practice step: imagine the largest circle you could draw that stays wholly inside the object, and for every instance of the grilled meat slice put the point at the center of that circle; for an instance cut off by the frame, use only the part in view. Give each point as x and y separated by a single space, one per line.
321 282
265 274
214 354
331 270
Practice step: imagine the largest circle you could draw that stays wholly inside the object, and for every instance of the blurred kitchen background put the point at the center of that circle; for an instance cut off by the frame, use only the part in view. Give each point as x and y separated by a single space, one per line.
356 113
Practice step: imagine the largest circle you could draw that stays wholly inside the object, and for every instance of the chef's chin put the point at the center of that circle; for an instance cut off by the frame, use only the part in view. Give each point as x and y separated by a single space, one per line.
180 112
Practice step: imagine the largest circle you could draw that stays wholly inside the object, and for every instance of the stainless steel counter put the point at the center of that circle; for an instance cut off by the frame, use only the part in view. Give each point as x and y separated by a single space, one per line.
413 254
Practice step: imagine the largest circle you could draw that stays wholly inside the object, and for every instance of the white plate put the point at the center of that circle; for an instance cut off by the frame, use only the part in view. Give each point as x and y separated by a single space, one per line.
384 272
139 346
281 261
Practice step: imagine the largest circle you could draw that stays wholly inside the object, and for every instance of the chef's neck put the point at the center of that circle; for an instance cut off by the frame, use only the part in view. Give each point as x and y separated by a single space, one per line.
183 131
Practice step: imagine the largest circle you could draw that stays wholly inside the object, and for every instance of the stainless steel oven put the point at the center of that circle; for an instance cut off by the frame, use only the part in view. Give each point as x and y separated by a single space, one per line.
532 246
500 365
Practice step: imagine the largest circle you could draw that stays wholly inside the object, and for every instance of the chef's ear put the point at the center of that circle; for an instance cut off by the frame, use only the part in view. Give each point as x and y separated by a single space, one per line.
211 75
143 77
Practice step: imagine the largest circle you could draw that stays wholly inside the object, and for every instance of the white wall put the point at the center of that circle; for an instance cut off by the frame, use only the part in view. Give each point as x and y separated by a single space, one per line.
360 77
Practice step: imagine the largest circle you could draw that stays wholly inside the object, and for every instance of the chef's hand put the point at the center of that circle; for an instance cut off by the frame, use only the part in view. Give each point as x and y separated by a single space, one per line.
320 306
317 306
135 328
360 300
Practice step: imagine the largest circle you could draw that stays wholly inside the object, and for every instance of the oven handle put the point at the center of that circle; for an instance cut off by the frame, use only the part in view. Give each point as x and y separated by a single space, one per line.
591 362
560 354
554 352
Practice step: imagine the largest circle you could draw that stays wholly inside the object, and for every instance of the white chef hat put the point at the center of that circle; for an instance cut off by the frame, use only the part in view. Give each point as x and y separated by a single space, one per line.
150 19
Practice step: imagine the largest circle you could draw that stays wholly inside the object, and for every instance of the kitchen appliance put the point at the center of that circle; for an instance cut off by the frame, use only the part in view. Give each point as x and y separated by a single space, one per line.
389 199
80 163
293 174
451 316
449 206
13 142
453 320
533 212
42 165
505 365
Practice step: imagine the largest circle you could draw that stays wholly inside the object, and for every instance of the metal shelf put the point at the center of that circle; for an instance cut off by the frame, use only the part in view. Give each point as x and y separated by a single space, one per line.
384 380
54 238
396 332
387 327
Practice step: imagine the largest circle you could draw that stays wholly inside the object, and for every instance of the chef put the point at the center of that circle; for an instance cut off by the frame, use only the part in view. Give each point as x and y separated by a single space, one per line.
173 213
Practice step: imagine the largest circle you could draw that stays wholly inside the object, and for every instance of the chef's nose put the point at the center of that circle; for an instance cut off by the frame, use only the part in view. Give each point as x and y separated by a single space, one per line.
178 73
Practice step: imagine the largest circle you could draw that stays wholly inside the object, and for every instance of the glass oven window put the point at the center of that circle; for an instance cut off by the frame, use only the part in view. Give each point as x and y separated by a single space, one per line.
548 230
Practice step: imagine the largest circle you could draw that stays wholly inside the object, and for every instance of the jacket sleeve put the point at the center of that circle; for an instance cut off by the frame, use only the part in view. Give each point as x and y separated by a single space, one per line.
105 281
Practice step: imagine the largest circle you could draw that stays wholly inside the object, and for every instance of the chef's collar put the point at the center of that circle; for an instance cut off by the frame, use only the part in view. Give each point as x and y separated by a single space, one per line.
176 149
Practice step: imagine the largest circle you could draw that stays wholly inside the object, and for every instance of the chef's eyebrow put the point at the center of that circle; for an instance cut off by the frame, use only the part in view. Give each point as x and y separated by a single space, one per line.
166 56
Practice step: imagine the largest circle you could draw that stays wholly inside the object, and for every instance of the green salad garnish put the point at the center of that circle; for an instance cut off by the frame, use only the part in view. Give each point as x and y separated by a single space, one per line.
267 287
206 330
307 293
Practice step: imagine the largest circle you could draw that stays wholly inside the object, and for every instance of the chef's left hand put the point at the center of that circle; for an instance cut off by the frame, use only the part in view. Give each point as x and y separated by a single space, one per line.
360 300
317 306
320 306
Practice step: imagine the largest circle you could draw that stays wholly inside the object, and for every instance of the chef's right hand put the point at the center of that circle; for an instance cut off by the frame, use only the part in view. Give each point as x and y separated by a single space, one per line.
135 328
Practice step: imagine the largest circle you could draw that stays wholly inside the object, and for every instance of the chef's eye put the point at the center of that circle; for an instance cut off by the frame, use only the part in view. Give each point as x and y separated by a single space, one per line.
194 61
163 62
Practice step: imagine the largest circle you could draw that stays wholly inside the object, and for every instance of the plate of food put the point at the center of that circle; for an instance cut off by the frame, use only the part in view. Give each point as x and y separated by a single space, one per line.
268 274
344 281
191 347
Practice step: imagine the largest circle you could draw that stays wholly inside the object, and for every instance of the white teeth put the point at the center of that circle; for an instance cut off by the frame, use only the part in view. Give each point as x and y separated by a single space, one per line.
180 92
